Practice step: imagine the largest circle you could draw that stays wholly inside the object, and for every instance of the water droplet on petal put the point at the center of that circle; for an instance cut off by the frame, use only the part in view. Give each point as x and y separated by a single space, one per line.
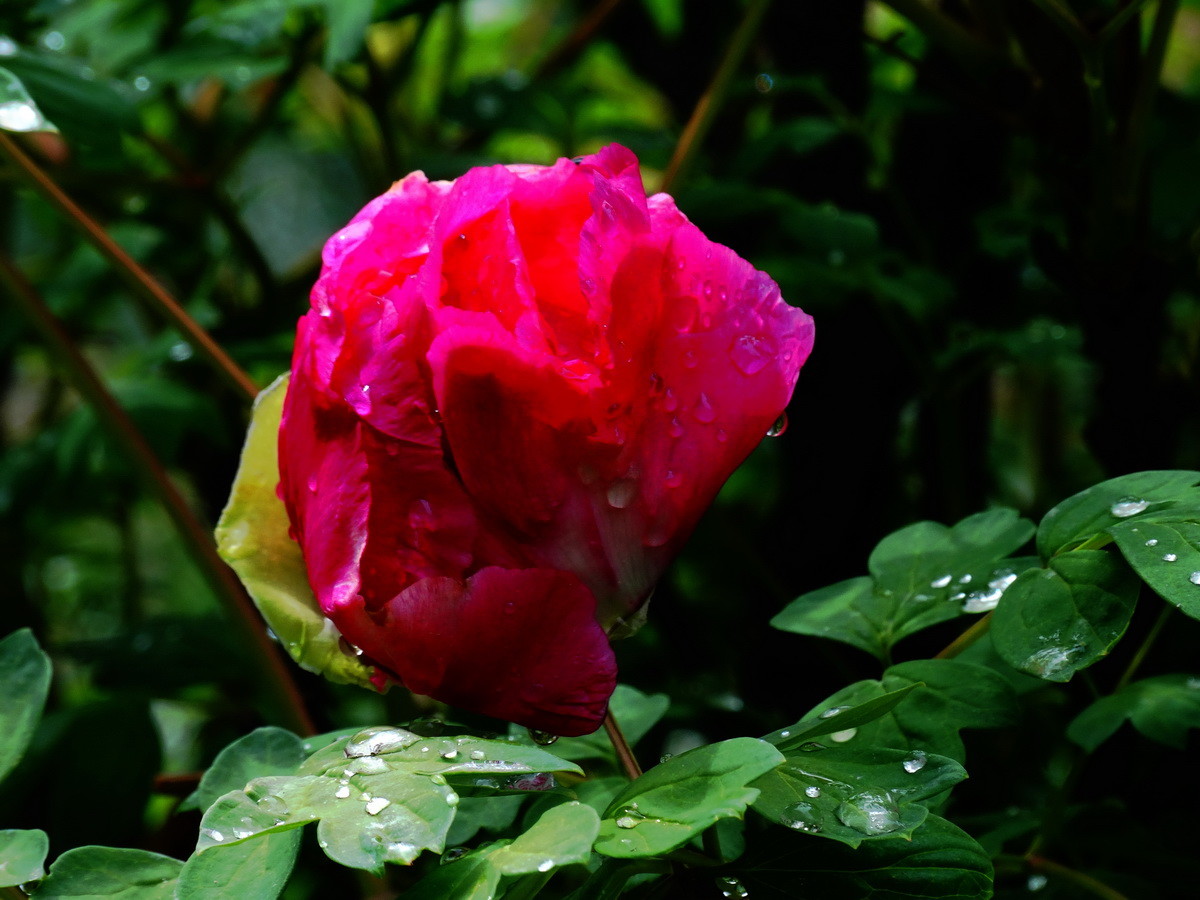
751 353
1129 506
622 492
703 410
779 426
673 479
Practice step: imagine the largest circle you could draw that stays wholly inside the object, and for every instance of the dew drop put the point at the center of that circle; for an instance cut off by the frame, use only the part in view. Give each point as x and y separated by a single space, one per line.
779 426
1153 542
802 817
703 410
870 812
376 805
621 492
452 753
840 737
833 711
751 353
545 865
942 582
627 822
477 754
812 791
982 601
916 762
542 738
1194 578
343 792
1128 506
1169 557
371 742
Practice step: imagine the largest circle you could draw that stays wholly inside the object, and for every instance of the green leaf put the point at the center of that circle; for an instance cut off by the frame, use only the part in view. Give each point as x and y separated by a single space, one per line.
853 794
347 21
921 575
24 684
264 751
1136 496
252 536
1053 622
941 862
680 798
636 712
469 878
18 111
1167 557
110 872
1164 709
950 695
837 718
22 856
380 796
258 869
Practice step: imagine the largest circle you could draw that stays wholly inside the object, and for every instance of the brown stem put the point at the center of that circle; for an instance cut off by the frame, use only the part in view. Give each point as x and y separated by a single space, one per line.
197 538
1087 882
625 755
570 46
142 281
977 630
710 101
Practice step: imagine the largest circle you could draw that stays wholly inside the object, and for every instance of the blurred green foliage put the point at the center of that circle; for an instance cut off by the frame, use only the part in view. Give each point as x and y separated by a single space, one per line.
991 208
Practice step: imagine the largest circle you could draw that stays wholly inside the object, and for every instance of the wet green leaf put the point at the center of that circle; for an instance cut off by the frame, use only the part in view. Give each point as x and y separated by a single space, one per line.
920 575
852 792
834 719
22 856
264 751
18 111
1167 557
255 869
1164 709
1142 495
680 798
940 862
24 684
1053 622
380 796
252 536
949 696
91 873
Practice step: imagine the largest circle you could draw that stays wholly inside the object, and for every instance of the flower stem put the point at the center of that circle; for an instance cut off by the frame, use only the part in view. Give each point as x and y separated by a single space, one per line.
1144 648
142 281
625 755
977 630
1040 864
286 698
710 101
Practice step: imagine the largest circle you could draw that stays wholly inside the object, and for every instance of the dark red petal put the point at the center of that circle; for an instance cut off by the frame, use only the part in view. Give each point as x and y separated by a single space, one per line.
518 644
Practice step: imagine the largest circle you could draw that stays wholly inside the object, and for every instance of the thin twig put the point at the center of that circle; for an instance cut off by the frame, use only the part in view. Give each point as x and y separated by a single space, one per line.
196 537
145 283
625 755
710 101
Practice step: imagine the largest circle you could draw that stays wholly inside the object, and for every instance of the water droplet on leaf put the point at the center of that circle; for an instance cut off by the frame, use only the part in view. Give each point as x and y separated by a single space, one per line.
1128 506
916 762
870 812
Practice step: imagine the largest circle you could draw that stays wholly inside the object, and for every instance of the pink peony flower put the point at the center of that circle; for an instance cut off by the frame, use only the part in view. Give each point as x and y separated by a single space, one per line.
513 397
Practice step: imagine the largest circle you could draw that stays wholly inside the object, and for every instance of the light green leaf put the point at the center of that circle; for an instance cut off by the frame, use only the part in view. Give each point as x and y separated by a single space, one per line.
1167 557
347 21
680 798
252 536
835 718
18 111
1164 709
264 751
1142 495
255 869
22 856
380 796
563 835
24 684
1053 622
855 793
91 873
469 878
921 575
950 696
940 862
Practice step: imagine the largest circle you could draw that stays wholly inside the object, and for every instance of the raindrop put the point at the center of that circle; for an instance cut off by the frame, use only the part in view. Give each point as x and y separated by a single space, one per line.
840 737
1036 882
751 353
212 834
545 865
621 492
812 791
731 887
452 854
915 763
1128 506
8 47
722 437
452 753
703 410
376 805
802 817
982 601
18 115
833 711
1169 557
870 813
966 579
673 479
1001 579
1153 542
779 426
1194 578
343 792
477 754
180 351
627 822
942 582
542 738
812 746
371 742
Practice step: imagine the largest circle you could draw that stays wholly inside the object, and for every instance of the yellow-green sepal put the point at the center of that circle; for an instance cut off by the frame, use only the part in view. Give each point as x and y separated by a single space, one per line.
252 536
